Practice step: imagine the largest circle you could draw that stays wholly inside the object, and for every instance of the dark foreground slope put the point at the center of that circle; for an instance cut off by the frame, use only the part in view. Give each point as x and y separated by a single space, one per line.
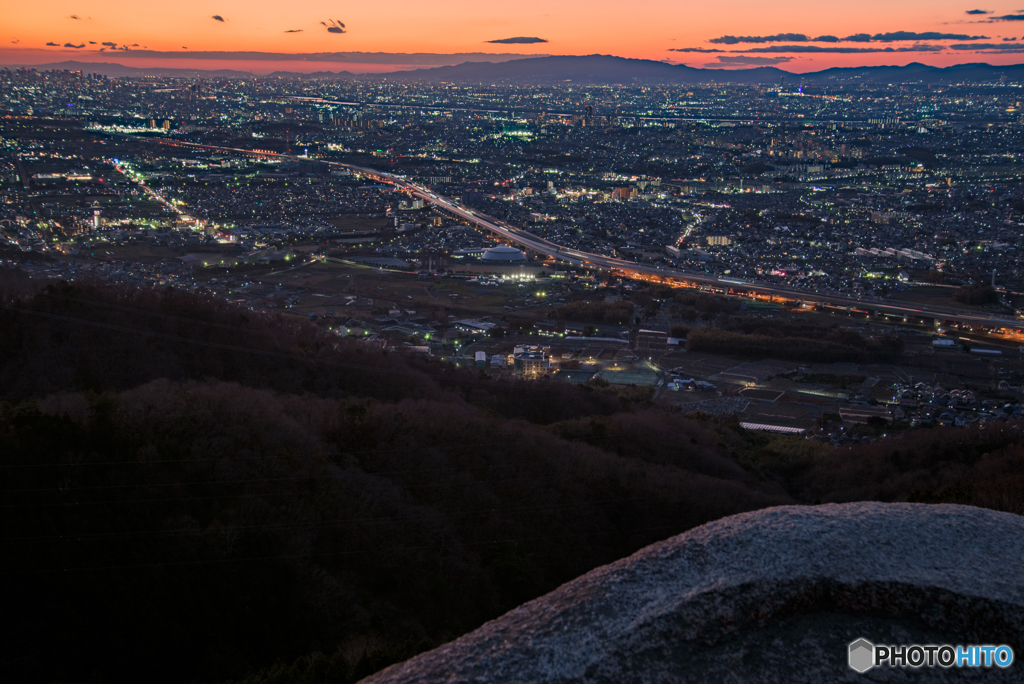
772 596
194 493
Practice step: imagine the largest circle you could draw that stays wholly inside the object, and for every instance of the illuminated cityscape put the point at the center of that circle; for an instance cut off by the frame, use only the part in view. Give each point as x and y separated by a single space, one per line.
310 373
895 207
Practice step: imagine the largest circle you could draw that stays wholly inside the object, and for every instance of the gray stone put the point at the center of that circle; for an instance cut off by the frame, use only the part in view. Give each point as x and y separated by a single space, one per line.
777 595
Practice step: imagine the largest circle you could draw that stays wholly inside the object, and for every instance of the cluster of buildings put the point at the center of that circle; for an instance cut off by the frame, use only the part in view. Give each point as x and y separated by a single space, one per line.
833 189
864 190
929 404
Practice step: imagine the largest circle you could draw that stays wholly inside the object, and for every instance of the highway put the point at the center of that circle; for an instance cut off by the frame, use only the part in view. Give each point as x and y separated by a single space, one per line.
634 270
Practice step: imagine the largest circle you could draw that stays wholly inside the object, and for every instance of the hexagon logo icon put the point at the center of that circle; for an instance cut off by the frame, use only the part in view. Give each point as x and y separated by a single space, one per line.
862 655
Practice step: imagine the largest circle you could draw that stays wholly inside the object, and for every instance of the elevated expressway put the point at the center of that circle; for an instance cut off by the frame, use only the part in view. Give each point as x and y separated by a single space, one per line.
870 307
896 311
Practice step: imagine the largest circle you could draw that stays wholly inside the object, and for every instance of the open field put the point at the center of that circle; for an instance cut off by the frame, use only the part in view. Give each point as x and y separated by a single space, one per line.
331 281
630 374
940 296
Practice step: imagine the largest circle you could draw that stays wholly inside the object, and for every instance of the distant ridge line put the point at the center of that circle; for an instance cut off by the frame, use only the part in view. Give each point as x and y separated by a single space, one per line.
592 70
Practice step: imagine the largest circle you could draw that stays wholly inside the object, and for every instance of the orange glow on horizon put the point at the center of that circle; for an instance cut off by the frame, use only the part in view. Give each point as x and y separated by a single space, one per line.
645 29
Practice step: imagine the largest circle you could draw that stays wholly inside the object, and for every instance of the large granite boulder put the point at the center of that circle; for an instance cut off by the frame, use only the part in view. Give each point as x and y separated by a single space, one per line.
776 595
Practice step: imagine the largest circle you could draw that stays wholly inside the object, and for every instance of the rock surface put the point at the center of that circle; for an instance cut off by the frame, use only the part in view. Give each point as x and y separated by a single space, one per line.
770 596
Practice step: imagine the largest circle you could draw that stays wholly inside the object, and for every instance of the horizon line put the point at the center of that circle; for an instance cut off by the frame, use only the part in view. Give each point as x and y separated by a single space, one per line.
401 66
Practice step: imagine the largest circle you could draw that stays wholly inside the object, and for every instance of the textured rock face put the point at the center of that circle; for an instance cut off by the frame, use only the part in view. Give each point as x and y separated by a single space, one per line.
770 596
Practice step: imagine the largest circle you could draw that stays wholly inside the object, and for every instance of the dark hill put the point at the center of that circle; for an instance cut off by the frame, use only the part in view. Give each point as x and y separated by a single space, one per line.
597 69
606 69
188 485
920 73
601 69
195 493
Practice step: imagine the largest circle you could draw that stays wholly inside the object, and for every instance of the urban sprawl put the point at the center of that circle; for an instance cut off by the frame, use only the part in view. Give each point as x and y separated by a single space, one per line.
835 261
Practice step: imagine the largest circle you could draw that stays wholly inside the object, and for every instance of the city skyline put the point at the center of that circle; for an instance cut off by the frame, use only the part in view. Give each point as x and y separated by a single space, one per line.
319 36
319 377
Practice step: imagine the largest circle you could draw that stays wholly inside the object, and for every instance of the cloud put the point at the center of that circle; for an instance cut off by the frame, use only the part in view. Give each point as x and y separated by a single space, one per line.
777 38
217 17
845 50
977 11
743 60
989 47
15 41
70 45
1009 39
1009 17
53 45
518 40
75 17
294 31
892 37
333 26
109 43
897 36
783 49
92 42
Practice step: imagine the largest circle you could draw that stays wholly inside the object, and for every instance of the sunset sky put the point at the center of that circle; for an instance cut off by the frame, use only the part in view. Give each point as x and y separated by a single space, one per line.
798 35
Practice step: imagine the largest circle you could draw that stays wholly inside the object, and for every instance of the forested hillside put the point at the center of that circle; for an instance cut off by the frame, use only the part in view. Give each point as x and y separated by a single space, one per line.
194 493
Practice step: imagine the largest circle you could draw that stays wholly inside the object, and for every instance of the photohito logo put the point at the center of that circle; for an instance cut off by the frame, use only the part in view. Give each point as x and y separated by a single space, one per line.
864 655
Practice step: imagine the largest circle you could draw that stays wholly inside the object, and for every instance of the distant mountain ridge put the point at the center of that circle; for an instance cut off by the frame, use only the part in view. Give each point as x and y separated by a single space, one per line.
606 69
596 70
